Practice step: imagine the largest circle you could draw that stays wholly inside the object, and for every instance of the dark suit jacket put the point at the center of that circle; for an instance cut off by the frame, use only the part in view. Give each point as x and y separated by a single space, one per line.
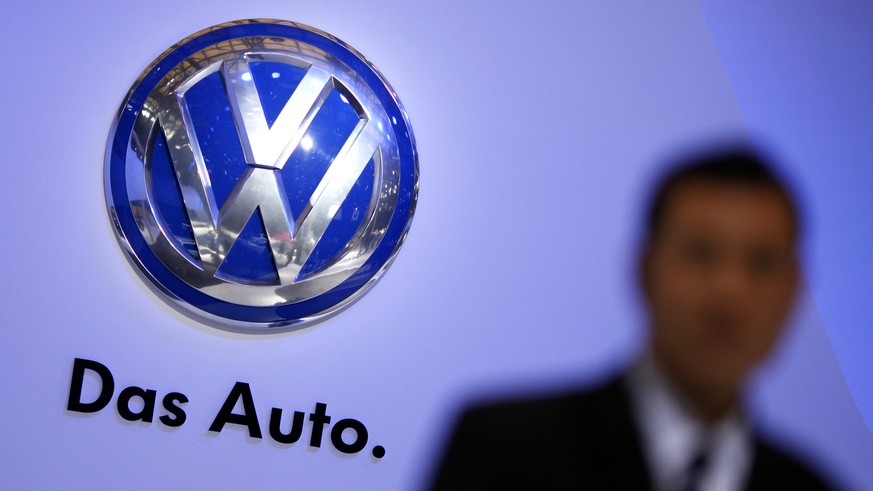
584 440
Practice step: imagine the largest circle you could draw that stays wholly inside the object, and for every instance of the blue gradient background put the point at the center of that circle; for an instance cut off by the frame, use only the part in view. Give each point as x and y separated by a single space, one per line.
539 127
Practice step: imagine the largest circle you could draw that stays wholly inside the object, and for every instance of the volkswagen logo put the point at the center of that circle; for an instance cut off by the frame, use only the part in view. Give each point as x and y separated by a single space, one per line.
261 174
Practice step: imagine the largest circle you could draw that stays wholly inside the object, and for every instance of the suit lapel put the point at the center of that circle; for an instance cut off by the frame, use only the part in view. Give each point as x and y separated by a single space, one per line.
611 427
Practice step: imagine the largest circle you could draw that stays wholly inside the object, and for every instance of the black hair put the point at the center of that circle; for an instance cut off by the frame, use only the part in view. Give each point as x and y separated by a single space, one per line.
739 166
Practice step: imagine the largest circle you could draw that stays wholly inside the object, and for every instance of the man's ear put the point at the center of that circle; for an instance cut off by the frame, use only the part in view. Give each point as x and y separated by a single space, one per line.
644 270
795 279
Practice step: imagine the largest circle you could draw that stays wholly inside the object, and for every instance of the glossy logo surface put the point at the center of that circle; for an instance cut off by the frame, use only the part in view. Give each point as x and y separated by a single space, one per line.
261 174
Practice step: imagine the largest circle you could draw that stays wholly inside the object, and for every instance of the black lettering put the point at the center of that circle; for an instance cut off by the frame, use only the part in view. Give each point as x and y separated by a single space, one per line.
248 418
336 436
74 402
319 418
172 403
296 426
148 397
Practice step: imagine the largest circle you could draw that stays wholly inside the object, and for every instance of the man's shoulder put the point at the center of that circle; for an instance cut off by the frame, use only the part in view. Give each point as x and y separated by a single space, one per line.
580 436
558 407
777 467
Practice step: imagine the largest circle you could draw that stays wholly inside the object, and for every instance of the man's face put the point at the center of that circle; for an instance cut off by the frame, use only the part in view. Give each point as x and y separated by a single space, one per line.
719 280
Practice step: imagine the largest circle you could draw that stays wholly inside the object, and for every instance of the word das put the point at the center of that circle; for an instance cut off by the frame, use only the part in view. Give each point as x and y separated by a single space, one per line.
171 402
348 436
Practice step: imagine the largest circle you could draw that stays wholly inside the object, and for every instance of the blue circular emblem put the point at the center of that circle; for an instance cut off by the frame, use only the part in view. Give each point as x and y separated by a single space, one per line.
261 174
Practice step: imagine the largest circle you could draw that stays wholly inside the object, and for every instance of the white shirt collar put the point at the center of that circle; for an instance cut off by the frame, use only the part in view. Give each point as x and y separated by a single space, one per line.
672 435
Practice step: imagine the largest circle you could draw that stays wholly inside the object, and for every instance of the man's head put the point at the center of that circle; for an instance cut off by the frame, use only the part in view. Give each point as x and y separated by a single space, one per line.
719 269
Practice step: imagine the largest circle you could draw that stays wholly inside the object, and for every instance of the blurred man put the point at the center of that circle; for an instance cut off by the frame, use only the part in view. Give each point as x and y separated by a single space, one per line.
718 271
